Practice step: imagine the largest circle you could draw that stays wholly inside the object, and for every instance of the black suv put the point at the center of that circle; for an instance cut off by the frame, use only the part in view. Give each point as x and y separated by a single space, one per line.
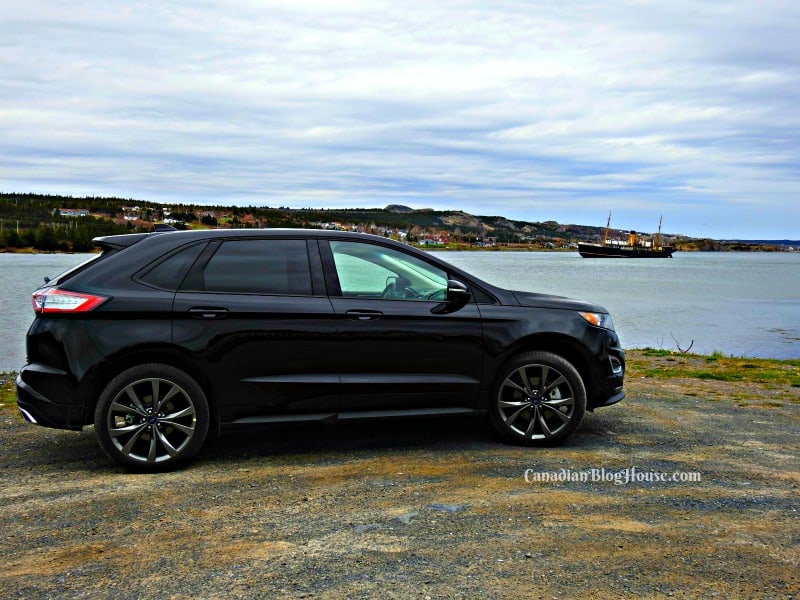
166 335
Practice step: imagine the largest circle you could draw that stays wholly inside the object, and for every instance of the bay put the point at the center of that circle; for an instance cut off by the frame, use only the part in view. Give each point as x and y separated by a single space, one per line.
740 304
736 303
21 274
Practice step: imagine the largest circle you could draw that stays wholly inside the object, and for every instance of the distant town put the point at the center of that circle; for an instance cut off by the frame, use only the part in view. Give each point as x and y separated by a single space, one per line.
50 223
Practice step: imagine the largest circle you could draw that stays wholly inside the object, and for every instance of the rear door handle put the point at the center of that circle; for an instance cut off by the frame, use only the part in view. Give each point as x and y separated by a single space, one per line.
364 315
208 313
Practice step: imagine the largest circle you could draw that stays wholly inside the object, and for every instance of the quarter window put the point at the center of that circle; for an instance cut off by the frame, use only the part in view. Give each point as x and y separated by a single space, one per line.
372 271
259 267
169 273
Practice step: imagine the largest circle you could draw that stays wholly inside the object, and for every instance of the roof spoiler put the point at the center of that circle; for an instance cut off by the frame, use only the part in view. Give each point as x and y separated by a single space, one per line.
118 242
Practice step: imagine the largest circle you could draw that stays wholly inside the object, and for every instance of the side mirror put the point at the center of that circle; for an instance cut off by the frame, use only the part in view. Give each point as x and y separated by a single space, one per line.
458 295
457 291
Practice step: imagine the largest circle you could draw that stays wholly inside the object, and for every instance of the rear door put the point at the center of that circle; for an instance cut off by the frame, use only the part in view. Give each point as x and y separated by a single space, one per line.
253 313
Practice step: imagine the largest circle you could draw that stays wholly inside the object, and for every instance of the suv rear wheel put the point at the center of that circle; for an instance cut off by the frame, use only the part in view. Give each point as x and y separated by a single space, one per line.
152 417
539 399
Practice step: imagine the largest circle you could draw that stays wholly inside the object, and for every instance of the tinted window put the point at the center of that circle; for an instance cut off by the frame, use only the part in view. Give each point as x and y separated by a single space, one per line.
169 273
259 267
372 271
72 271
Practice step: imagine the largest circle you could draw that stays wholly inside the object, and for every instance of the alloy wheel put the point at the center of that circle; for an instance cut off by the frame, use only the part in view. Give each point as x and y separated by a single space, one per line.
536 402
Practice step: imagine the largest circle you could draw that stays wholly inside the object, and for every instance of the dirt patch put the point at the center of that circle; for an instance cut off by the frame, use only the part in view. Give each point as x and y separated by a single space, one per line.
433 508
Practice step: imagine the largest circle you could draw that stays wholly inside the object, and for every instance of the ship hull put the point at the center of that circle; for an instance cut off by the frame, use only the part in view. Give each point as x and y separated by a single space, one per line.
600 251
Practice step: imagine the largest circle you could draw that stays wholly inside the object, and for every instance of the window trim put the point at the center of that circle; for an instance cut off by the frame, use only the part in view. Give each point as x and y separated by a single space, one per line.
329 269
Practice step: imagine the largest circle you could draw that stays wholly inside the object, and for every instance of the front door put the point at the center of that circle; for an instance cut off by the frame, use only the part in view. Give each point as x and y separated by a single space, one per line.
398 351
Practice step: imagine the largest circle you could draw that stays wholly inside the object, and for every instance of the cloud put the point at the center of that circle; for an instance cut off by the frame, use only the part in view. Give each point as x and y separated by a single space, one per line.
534 110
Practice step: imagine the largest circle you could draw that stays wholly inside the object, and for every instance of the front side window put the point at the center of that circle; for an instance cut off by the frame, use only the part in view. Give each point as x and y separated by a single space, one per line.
258 267
372 271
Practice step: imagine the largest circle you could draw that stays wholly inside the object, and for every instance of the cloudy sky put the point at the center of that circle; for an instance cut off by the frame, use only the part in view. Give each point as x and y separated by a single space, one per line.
551 110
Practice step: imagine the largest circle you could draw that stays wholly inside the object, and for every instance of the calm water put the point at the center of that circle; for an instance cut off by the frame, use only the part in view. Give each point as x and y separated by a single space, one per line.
20 274
740 304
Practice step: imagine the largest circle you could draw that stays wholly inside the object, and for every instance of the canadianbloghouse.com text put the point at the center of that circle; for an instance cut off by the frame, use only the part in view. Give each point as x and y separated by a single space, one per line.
628 475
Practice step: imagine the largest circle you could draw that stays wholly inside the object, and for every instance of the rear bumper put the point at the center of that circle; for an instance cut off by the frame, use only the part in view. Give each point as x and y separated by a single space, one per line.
47 409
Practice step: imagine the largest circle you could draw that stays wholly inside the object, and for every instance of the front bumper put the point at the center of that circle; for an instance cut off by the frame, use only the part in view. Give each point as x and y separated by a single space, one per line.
616 397
612 377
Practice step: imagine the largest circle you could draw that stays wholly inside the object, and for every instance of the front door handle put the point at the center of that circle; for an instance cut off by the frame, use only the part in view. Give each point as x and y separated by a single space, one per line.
208 312
364 315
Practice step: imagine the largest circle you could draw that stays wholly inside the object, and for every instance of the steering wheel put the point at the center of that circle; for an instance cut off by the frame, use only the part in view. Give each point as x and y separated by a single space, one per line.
438 295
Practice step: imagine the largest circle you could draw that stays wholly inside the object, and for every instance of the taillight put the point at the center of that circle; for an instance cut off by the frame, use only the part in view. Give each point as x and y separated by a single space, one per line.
55 300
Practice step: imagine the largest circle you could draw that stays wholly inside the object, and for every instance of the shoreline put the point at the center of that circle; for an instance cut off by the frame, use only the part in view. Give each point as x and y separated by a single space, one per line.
746 366
463 248
657 365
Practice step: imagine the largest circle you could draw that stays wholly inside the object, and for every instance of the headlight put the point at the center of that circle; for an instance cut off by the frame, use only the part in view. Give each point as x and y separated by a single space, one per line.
598 319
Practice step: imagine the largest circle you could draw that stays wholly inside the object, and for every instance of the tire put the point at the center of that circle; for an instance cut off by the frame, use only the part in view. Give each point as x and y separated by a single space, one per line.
539 399
152 417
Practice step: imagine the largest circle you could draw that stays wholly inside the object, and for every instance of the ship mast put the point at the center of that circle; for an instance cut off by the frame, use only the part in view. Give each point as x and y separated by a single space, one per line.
657 245
608 224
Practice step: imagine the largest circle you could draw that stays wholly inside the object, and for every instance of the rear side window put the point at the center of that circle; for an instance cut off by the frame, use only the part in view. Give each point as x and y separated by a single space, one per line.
168 274
258 267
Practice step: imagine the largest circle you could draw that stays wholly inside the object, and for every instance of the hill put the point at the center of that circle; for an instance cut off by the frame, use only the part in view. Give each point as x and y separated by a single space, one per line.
54 222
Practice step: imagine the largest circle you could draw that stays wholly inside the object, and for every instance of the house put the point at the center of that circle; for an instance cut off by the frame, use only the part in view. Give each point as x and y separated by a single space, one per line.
73 212
131 213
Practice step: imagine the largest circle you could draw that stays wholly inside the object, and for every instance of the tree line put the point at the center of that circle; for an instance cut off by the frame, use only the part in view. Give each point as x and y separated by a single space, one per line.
34 221
63 236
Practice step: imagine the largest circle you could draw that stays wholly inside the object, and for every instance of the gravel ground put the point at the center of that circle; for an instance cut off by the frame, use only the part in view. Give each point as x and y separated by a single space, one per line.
424 509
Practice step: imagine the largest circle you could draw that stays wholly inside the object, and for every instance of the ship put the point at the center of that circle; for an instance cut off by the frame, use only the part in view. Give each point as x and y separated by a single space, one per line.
636 246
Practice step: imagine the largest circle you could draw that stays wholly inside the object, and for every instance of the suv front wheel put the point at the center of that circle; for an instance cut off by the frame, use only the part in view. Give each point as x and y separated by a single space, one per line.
152 417
539 399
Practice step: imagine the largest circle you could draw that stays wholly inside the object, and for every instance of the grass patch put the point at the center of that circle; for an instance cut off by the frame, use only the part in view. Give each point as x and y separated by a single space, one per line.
670 365
717 376
8 391
656 352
